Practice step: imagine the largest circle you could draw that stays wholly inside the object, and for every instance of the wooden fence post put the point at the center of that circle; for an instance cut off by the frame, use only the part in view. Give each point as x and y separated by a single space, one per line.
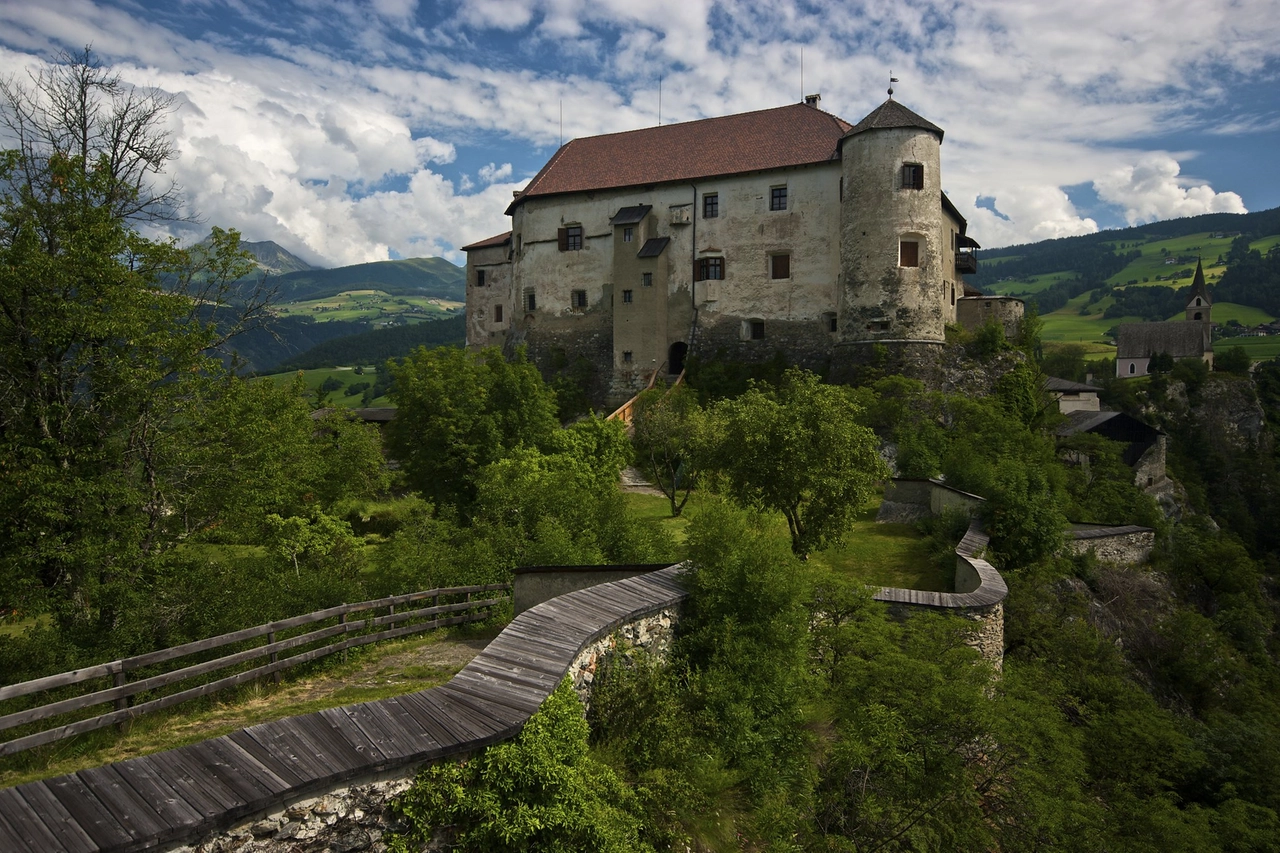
275 676
119 680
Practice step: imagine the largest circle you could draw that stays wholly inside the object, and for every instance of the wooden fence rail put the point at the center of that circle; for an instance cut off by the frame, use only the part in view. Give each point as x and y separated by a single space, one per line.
121 691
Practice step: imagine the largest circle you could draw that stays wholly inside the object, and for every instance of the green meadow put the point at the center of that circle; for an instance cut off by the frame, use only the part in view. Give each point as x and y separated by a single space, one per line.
370 305
338 397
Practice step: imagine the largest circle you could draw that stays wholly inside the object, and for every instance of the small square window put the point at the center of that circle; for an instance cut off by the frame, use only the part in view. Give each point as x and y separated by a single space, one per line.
779 266
571 238
628 234
912 176
578 299
909 254
479 278
646 279
626 356
757 330
627 296
497 313
777 198
710 205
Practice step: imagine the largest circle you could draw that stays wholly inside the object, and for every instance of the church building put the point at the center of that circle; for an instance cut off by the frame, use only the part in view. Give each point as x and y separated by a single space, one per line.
784 230
1136 343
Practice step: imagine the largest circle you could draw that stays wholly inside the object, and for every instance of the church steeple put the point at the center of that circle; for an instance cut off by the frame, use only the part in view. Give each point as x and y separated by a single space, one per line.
1198 304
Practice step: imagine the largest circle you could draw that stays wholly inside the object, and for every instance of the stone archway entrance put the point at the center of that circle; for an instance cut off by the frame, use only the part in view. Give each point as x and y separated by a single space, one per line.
675 358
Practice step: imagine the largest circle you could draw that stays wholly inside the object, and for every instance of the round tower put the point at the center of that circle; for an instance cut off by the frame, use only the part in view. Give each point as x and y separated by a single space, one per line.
894 242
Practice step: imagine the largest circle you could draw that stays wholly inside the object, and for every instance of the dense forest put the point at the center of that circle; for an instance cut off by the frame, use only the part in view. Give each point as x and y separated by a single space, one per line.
149 496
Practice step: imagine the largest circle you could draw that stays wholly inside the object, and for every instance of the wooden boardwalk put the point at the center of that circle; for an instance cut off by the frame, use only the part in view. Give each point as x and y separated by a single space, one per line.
183 794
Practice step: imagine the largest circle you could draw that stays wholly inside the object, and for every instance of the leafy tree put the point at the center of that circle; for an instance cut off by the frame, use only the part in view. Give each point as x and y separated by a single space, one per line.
666 424
797 449
1233 360
458 412
1161 362
105 335
540 791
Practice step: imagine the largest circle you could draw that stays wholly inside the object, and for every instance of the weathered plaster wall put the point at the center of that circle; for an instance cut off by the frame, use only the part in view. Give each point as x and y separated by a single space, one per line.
535 585
884 301
483 329
973 312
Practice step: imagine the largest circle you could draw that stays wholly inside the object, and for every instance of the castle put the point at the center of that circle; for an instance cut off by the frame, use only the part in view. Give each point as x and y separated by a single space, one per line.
782 230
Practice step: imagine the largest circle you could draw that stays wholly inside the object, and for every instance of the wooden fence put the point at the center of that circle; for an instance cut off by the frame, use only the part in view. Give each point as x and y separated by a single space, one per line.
122 692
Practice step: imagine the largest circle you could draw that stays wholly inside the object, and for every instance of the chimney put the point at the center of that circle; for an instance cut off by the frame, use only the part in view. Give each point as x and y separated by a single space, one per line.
812 100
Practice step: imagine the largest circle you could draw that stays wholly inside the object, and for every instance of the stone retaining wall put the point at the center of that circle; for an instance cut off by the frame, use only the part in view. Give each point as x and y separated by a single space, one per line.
1121 545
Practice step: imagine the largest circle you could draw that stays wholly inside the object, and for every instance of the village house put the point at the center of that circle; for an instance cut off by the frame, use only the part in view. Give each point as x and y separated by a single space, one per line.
1136 343
782 230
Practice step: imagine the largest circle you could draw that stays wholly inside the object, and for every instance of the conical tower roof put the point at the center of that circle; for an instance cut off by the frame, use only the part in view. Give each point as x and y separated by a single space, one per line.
892 114
1198 287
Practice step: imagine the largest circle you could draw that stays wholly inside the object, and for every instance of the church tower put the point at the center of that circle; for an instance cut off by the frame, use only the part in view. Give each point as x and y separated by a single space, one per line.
894 244
1199 308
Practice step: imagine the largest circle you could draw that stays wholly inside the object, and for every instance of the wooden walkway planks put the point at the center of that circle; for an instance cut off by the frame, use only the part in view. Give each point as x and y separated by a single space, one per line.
183 793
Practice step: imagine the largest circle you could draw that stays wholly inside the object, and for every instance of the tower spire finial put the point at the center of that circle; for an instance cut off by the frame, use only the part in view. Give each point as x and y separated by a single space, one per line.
892 80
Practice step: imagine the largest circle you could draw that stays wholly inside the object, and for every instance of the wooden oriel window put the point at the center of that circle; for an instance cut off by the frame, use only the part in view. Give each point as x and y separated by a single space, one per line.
912 176
779 266
708 269
909 254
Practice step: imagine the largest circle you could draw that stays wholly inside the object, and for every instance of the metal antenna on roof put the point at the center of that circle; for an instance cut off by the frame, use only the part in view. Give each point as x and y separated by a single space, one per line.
892 80
659 101
562 122
802 75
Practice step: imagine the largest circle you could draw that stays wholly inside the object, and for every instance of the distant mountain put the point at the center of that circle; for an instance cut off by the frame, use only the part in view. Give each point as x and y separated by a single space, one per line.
411 277
274 259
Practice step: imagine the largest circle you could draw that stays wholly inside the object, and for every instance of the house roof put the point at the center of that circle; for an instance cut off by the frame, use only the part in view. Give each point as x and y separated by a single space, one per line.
497 240
653 247
1180 339
1066 386
778 138
892 114
631 215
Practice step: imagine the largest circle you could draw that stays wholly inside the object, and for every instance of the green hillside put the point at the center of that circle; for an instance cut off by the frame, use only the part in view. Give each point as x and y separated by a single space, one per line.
373 306
341 380
428 277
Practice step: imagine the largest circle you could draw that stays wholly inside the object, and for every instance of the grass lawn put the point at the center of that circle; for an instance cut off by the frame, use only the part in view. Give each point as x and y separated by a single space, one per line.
391 668
876 554
1242 314
1033 284
370 305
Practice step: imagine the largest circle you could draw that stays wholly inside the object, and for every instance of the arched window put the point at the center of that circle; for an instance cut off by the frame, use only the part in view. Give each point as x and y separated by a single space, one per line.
1133 368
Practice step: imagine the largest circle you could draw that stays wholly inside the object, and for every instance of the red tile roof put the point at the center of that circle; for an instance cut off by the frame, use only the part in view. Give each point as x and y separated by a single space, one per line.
793 135
499 240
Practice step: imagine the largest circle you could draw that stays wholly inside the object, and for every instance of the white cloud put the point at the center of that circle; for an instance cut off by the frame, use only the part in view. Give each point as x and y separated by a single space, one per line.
1151 189
491 172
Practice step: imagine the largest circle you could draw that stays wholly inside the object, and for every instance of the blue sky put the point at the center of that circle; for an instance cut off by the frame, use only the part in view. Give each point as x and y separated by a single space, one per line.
357 131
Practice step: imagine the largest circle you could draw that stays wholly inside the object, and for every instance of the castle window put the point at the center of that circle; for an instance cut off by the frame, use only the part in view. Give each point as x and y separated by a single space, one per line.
626 356
646 279
628 234
779 266
627 297
1197 305
578 299
570 238
710 205
1199 316
1133 368
497 313
912 176
753 330
519 244
953 294
530 301
778 198
829 320
909 255
709 269
479 278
